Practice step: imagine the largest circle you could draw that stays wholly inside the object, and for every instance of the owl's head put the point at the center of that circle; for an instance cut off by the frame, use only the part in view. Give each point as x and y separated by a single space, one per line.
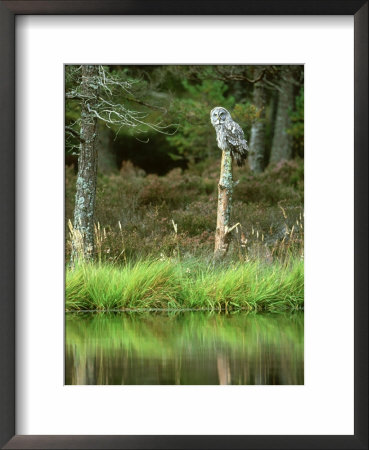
219 115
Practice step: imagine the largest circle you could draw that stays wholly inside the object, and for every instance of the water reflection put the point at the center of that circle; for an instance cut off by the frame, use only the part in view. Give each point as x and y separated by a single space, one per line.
184 348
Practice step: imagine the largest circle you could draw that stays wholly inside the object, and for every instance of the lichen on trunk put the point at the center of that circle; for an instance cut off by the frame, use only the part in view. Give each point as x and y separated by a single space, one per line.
225 192
84 209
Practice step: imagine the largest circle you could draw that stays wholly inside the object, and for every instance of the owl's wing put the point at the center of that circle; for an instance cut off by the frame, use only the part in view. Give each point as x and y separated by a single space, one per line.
234 135
237 142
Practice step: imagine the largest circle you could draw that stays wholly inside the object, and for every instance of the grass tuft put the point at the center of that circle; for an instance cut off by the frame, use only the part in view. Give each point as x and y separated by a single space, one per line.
170 284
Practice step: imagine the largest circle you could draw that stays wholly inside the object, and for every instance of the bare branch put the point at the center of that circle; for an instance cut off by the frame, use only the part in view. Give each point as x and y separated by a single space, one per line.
72 96
148 105
74 133
104 89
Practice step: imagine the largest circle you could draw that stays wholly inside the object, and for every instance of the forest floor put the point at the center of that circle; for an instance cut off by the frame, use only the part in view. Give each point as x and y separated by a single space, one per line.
155 239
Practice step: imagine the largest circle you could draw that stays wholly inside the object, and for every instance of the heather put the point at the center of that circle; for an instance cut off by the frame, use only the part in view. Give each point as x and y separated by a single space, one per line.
142 215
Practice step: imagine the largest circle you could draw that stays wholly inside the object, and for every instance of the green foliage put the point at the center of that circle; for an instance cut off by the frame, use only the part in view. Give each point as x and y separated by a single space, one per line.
181 97
195 138
193 284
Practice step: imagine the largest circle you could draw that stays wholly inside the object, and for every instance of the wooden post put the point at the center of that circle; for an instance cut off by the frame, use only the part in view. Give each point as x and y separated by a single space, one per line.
225 191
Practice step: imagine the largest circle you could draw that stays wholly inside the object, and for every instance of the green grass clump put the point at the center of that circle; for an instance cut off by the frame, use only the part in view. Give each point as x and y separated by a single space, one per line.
171 284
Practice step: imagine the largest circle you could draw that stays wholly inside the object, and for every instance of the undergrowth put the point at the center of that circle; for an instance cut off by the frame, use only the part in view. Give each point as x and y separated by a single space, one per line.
135 213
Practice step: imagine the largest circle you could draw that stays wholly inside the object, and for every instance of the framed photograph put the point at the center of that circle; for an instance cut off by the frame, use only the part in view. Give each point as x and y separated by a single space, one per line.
184 224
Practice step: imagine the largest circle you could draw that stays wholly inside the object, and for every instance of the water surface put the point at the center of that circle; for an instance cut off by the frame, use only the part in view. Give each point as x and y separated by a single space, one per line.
189 347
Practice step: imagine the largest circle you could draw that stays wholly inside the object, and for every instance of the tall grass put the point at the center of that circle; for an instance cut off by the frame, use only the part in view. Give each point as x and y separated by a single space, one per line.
170 284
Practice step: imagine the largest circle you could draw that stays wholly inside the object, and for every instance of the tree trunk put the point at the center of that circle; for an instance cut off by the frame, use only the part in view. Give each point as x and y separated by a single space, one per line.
282 142
257 139
225 191
84 209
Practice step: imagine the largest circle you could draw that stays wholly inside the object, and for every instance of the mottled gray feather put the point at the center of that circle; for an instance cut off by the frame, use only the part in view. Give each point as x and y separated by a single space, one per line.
230 135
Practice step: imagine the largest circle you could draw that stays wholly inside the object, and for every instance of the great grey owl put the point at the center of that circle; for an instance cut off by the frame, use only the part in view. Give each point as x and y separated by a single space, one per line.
229 134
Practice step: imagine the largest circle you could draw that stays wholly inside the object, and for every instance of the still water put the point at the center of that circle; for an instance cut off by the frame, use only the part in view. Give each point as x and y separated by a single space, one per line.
189 347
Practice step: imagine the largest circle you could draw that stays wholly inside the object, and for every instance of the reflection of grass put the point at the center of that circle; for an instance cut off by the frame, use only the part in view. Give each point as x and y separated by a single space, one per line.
149 332
173 285
260 343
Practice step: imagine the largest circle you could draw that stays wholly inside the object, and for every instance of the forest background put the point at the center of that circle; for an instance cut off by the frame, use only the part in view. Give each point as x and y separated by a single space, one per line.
142 171
157 176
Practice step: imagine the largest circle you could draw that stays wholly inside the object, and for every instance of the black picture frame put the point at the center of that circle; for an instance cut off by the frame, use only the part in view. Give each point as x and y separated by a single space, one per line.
8 11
